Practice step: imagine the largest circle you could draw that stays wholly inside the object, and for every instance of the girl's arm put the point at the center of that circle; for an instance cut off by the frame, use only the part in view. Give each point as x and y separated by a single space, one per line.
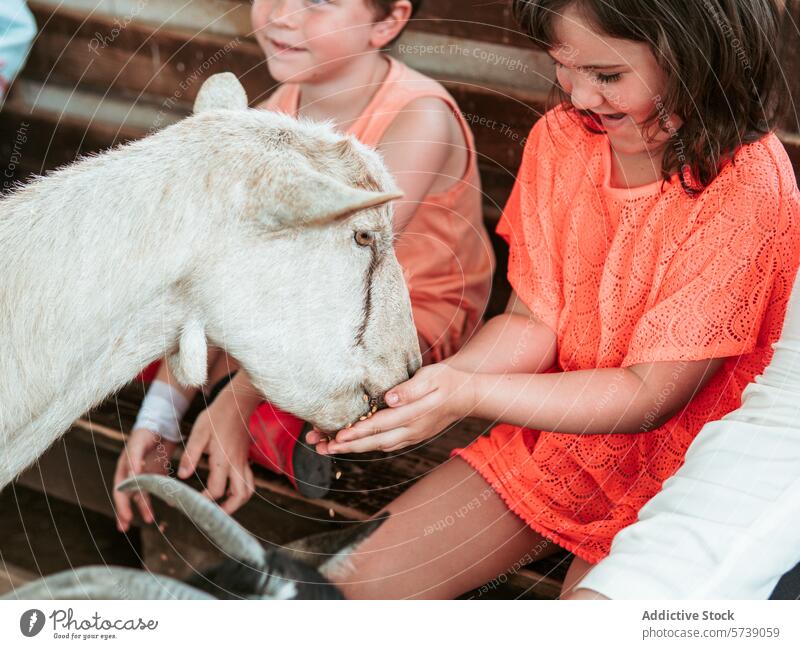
631 399
599 401
515 341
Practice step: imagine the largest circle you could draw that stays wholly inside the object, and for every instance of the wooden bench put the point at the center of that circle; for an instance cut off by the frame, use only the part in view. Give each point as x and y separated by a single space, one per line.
105 72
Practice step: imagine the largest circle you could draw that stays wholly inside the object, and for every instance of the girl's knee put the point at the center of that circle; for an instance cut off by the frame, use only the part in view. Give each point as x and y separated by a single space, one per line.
578 569
585 593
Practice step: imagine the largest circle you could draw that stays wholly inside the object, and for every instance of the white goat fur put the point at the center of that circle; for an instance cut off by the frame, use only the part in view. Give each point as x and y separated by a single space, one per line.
233 226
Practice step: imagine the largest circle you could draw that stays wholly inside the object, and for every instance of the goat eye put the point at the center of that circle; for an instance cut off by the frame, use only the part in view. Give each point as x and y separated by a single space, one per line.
364 238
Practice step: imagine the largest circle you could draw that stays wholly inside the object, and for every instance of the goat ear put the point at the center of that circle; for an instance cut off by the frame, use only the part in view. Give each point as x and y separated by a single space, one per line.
305 196
221 91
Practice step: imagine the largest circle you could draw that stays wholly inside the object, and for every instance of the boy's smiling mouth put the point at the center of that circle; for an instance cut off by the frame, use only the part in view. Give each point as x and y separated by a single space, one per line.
284 48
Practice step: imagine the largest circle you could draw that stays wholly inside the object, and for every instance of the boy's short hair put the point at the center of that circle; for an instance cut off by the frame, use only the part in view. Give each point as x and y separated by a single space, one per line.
384 7
719 56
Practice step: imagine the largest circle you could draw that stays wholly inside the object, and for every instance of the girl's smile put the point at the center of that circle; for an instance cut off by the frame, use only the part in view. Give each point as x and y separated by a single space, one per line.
615 85
607 121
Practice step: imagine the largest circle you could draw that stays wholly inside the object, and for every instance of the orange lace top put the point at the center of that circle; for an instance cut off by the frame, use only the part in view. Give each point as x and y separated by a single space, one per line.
628 276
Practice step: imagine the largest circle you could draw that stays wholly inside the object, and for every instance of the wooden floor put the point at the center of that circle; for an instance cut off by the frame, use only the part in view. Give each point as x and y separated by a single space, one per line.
42 534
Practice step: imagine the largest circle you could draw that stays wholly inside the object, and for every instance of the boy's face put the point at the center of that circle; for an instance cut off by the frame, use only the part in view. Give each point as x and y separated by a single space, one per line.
310 40
621 96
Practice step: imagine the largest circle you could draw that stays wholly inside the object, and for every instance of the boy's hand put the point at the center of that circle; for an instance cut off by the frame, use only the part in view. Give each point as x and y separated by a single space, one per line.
145 452
426 404
222 432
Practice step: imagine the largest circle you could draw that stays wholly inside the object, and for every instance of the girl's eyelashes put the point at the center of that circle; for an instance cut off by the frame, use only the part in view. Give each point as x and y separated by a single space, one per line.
599 76
608 78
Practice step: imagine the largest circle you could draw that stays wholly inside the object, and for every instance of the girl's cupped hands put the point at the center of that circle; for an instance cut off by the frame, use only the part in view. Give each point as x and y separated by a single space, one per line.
435 397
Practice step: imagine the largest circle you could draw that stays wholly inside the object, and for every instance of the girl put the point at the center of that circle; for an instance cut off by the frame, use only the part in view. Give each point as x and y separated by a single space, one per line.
653 235
329 58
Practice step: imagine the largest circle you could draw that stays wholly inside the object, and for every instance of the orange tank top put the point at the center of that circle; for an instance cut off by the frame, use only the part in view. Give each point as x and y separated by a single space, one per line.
445 250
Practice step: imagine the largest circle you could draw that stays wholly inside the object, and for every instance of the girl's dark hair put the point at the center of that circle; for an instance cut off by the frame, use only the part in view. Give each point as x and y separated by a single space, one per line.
721 66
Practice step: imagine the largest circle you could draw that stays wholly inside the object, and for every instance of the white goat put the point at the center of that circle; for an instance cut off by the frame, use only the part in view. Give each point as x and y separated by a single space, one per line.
267 236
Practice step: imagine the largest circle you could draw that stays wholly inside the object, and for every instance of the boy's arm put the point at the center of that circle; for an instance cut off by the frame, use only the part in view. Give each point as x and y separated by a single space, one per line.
239 396
416 148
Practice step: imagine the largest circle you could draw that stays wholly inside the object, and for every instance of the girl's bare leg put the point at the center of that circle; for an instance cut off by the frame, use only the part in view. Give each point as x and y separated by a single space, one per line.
577 571
446 535
584 593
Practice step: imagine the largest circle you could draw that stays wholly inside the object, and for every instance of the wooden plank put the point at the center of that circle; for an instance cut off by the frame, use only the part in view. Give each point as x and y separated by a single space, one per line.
789 57
42 534
73 41
487 64
157 65
162 63
225 18
49 141
478 20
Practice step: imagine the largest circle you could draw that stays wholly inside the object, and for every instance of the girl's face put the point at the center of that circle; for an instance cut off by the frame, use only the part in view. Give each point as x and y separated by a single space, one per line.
619 82
309 40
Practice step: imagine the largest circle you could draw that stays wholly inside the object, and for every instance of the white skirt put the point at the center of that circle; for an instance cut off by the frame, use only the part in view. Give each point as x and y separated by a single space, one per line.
727 524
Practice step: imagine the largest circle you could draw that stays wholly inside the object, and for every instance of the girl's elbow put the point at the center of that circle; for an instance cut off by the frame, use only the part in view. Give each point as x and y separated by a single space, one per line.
655 417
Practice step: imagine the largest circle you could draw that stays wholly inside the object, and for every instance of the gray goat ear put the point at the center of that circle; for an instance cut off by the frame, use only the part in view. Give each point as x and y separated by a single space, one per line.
105 582
230 537
221 92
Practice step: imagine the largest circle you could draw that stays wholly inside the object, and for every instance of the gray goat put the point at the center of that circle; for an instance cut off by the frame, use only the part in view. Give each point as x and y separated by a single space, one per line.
249 571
